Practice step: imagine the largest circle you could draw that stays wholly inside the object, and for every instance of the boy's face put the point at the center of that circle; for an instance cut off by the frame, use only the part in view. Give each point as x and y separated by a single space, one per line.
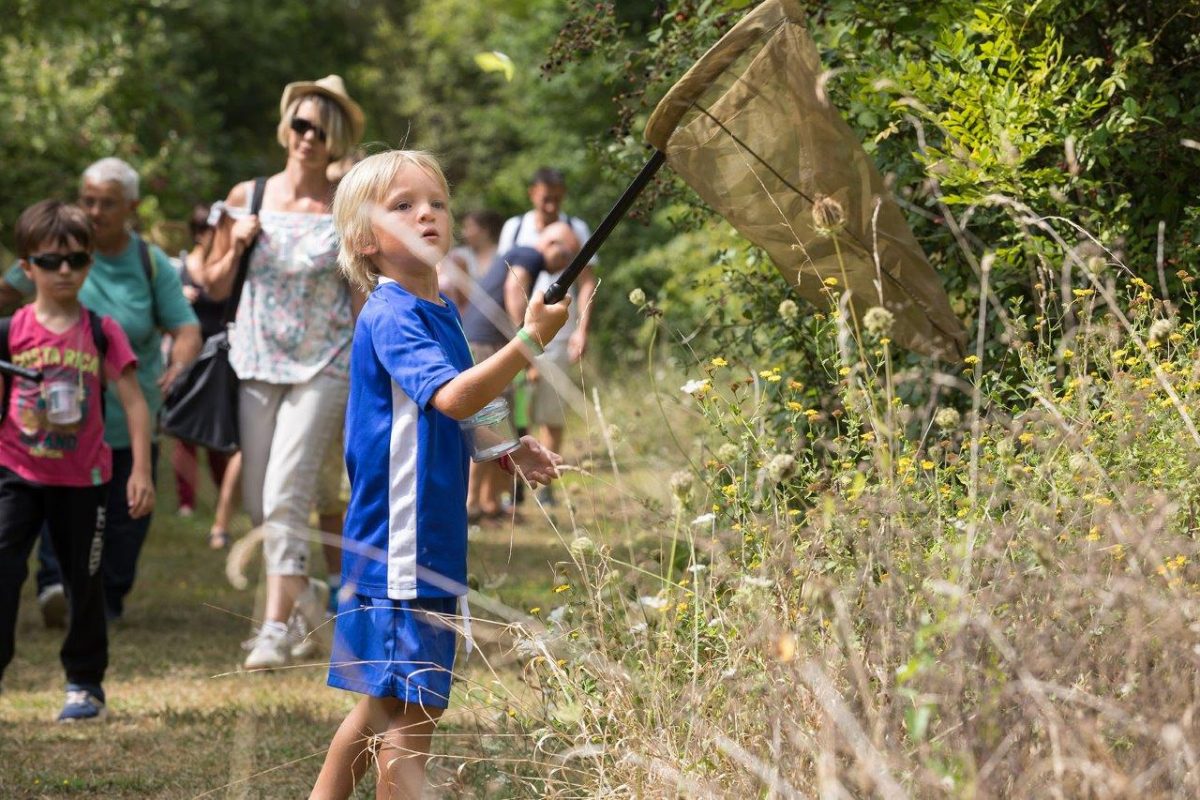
58 269
411 225
547 200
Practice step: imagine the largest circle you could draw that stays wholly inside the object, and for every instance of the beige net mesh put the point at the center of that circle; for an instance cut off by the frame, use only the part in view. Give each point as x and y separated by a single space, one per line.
747 129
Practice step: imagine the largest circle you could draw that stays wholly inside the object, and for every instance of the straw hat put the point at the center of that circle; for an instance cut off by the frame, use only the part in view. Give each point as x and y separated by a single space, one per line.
330 86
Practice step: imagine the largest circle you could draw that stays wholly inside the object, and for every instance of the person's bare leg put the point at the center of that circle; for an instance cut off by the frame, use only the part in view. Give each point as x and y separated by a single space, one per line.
473 487
230 483
331 526
403 753
282 591
350 752
552 437
491 483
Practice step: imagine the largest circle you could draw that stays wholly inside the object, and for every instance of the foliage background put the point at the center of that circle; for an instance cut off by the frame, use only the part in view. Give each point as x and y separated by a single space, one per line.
1003 92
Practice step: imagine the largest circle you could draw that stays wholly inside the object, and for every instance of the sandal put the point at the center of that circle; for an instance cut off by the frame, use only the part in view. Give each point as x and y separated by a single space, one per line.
218 540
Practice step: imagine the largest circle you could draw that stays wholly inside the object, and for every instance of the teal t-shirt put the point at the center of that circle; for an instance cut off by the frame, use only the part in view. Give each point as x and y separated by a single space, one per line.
117 287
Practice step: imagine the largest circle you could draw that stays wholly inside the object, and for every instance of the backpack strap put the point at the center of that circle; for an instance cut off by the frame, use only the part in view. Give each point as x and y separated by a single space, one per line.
235 296
148 268
100 339
5 355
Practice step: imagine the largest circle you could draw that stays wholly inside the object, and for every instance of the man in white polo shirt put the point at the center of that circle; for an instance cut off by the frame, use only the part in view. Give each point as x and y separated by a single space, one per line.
552 374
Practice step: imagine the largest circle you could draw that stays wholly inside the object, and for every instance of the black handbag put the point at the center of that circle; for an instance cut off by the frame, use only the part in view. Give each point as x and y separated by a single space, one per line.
201 406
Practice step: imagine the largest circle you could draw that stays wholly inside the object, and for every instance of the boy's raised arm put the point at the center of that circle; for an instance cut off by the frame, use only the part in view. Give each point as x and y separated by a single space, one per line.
474 388
139 492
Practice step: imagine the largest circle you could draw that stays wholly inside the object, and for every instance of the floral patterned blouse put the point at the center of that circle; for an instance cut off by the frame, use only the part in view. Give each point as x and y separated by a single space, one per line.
293 320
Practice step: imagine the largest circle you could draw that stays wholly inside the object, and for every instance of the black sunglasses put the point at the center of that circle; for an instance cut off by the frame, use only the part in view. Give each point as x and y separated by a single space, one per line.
51 262
303 126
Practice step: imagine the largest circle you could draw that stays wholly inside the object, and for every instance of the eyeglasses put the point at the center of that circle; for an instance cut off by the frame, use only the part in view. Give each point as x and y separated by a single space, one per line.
52 262
303 126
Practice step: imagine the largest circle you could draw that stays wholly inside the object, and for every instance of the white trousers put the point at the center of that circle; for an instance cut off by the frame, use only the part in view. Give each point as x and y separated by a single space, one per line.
286 430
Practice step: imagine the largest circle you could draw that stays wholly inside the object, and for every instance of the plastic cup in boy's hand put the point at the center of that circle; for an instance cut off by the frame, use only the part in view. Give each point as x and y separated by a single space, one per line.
543 321
535 462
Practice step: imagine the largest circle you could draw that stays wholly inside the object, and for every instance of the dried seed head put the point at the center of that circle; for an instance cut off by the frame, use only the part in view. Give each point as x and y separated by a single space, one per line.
828 215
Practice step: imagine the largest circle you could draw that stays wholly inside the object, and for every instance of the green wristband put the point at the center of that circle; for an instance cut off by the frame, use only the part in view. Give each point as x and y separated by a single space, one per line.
527 339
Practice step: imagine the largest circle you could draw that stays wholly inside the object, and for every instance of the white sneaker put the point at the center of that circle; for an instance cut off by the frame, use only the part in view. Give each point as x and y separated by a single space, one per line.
268 649
305 627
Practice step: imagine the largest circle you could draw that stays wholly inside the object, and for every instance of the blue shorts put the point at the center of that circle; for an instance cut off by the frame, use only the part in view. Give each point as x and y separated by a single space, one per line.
395 648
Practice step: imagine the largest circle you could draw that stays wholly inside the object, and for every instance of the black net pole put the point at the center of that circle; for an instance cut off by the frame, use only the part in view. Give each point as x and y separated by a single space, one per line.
20 372
558 289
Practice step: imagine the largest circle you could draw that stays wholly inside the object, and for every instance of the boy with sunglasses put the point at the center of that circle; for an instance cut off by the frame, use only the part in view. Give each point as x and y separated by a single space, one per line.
54 463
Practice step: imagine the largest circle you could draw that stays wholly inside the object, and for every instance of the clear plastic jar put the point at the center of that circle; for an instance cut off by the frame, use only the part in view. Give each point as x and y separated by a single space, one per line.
490 431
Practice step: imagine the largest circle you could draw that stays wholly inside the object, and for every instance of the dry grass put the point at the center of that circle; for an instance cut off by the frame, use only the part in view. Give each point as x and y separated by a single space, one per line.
184 723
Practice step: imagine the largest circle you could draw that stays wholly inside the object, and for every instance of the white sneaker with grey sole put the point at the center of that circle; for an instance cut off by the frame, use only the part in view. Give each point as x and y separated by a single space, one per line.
269 648
306 629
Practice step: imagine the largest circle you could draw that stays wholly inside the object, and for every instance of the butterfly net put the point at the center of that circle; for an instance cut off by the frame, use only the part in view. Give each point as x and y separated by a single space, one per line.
749 129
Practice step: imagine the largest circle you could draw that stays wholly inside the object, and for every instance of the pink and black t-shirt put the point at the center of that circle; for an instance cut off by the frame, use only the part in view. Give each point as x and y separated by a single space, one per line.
30 445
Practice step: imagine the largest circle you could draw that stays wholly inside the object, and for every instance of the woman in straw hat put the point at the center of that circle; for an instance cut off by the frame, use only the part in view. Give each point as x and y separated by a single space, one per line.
290 349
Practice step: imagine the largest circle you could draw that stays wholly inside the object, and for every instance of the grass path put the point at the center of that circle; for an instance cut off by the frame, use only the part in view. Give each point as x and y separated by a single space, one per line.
183 723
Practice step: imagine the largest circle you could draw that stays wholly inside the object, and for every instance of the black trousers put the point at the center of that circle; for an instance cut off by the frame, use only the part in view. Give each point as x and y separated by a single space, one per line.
75 519
123 538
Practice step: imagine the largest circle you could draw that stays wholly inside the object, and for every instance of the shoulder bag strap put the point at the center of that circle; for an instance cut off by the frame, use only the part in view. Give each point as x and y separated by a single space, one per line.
148 268
235 296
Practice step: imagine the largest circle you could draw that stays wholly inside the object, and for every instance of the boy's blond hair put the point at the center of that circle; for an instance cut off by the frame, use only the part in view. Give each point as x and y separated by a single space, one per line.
361 188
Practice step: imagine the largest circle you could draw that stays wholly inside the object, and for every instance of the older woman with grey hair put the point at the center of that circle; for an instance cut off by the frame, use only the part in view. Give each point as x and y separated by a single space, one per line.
133 282
290 349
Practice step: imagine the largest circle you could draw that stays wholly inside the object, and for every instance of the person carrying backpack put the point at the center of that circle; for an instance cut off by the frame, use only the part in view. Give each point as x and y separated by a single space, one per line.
131 281
55 466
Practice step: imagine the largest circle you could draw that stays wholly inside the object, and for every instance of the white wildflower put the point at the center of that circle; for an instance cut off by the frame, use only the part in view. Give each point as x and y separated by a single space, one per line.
780 466
682 482
1161 329
788 310
696 386
582 546
728 453
878 321
637 297
947 418
704 519
697 569
757 582
653 602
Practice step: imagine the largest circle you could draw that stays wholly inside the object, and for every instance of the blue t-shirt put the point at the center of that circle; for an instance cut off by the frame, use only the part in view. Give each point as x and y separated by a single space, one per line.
408 462
477 324
117 287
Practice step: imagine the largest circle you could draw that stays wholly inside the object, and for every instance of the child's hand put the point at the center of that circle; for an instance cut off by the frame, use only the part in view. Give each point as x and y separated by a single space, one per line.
543 321
534 462
139 493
